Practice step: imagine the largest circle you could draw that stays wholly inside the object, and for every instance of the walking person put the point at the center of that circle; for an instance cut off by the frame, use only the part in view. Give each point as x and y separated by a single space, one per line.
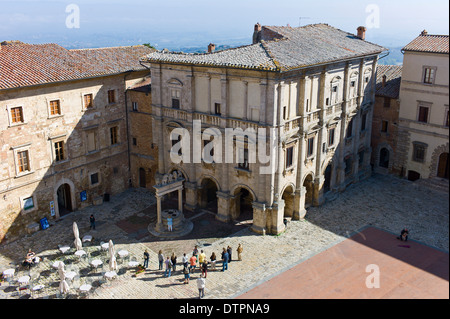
201 283
204 266
213 261
168 267
146 258
169 223
186 274
229 251
224 259
201 258
92 222
160 259
195 252
404 234
173 259
239 251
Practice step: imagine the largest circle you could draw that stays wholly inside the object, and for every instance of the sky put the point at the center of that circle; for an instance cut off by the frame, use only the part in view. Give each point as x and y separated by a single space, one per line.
176 23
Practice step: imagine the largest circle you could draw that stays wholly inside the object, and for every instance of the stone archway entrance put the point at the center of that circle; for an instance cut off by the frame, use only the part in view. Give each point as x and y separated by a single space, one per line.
243 209
142 178
208 195
384 158
443 166
327 181
288 197
64 199
309 186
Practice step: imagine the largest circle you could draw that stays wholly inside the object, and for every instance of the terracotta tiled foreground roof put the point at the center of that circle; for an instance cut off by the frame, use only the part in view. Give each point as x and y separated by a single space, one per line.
428 43
283 48
32 64
393 75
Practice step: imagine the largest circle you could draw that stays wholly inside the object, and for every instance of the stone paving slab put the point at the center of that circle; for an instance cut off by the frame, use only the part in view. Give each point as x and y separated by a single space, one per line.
386 202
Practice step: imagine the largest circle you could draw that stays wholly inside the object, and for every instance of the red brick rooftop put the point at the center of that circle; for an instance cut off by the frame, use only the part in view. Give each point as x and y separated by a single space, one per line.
428 43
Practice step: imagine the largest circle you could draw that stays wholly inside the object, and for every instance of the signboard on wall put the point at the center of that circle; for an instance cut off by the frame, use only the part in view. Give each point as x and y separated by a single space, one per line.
52 208
83 196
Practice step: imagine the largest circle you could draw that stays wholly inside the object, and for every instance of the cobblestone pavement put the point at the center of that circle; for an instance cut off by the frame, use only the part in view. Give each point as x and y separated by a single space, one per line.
382 201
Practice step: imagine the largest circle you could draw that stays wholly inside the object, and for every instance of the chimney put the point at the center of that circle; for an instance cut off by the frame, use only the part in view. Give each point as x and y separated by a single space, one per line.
383 82
257 33
361 32
424 32
211 47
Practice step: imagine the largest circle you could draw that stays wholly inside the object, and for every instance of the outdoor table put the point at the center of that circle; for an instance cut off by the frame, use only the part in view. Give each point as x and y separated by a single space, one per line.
9 272
85 288
122 253
133 263
64 249
70 275
56 264
110 274
96 262
80 253
105 246
87 238
37 288
24 280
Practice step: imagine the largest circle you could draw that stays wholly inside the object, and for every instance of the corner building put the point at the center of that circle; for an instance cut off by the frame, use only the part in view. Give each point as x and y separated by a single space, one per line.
315 85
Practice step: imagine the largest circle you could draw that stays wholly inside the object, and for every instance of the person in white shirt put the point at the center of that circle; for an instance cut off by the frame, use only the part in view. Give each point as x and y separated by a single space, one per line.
201 282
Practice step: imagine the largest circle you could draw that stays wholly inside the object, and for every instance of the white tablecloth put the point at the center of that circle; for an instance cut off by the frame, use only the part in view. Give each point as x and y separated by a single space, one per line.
64 249
96 262
87 238
80 253
133 263
122 253
110 274
56 264
70 275
105 246
37 287
9 272
24 279
85 287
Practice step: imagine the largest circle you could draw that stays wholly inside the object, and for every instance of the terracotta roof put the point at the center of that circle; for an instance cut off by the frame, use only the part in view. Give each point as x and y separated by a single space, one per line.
428 43
33 64
282 49
393 75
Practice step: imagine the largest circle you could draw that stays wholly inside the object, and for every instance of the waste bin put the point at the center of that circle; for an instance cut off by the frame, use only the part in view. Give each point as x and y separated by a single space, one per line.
44 223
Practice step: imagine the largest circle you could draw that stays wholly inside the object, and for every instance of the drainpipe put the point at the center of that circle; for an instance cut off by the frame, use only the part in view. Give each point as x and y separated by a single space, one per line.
128 128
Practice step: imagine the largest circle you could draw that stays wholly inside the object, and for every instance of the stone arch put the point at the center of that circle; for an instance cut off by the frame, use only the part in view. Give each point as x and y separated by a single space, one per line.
181 170
73 202
207 195
308 183
390 150
287 195
174 82
434 166
243 197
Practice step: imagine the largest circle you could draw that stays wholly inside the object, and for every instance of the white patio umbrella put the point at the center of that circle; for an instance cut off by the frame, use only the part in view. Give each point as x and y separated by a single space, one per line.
112 259
77 242
63 286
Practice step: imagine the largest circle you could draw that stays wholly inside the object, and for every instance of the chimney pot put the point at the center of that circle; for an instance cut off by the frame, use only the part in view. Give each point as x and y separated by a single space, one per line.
211 47
383 83
424 32
257 33
361 32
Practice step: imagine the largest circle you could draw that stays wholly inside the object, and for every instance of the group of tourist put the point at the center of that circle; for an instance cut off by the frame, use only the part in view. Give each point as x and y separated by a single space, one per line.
198 259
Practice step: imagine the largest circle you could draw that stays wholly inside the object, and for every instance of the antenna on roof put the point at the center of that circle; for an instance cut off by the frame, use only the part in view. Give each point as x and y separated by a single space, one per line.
300 20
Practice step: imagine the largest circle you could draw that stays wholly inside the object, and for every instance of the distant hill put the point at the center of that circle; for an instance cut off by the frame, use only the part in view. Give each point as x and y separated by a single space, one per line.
395 57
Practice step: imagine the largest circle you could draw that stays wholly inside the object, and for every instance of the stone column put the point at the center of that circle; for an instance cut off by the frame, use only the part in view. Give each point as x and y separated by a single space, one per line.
318 198
224 206
259 218
191 195
180 200
159 224
299 203
277 217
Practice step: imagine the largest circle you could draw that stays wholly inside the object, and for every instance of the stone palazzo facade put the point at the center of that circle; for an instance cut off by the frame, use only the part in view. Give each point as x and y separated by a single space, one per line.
313 85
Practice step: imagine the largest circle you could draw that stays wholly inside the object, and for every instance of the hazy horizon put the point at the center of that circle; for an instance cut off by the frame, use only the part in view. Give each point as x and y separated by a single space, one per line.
179 24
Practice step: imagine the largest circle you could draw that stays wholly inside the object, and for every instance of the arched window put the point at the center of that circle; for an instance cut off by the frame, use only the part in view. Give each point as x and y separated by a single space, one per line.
175 88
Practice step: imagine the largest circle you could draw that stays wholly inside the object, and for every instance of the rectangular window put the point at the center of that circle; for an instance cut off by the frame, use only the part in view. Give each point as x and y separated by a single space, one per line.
113 133
384 126
175 99
352 83
419 152
331 136
349 132
28 203
55 108
284 112
59 151
428 76
88 101
23 161
94 178
348 165
310 150
446 122
243 158
111 96
423 114
16 115
91 142
135 141
289 156
363 122
217 109
387 102
134 106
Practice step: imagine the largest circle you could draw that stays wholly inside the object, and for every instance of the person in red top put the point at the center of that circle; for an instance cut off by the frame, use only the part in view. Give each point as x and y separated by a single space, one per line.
193 262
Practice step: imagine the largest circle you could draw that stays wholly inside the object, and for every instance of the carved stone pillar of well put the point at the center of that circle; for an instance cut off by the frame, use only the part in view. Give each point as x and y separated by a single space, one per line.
299 203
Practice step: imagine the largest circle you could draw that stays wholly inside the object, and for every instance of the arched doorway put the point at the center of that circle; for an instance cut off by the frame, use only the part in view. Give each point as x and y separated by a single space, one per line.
288 197
384 158
243 205
208 195
64 199
413 175
443 166
308 184
142 179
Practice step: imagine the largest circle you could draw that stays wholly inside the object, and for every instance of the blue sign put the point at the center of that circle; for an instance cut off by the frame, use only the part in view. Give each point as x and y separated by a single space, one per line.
83 196
44 223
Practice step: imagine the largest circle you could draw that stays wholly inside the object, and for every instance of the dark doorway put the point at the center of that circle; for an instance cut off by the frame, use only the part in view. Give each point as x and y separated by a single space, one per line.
208 195
142 180
64 199
308 184
327 182
288 197
443 166
384 158
244 209
413 176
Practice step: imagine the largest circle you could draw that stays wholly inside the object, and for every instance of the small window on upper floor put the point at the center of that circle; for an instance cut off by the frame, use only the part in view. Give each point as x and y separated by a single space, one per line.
16 115
422 114
428 75
217 109
88 101
134 106
111 96
55 108
175 99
